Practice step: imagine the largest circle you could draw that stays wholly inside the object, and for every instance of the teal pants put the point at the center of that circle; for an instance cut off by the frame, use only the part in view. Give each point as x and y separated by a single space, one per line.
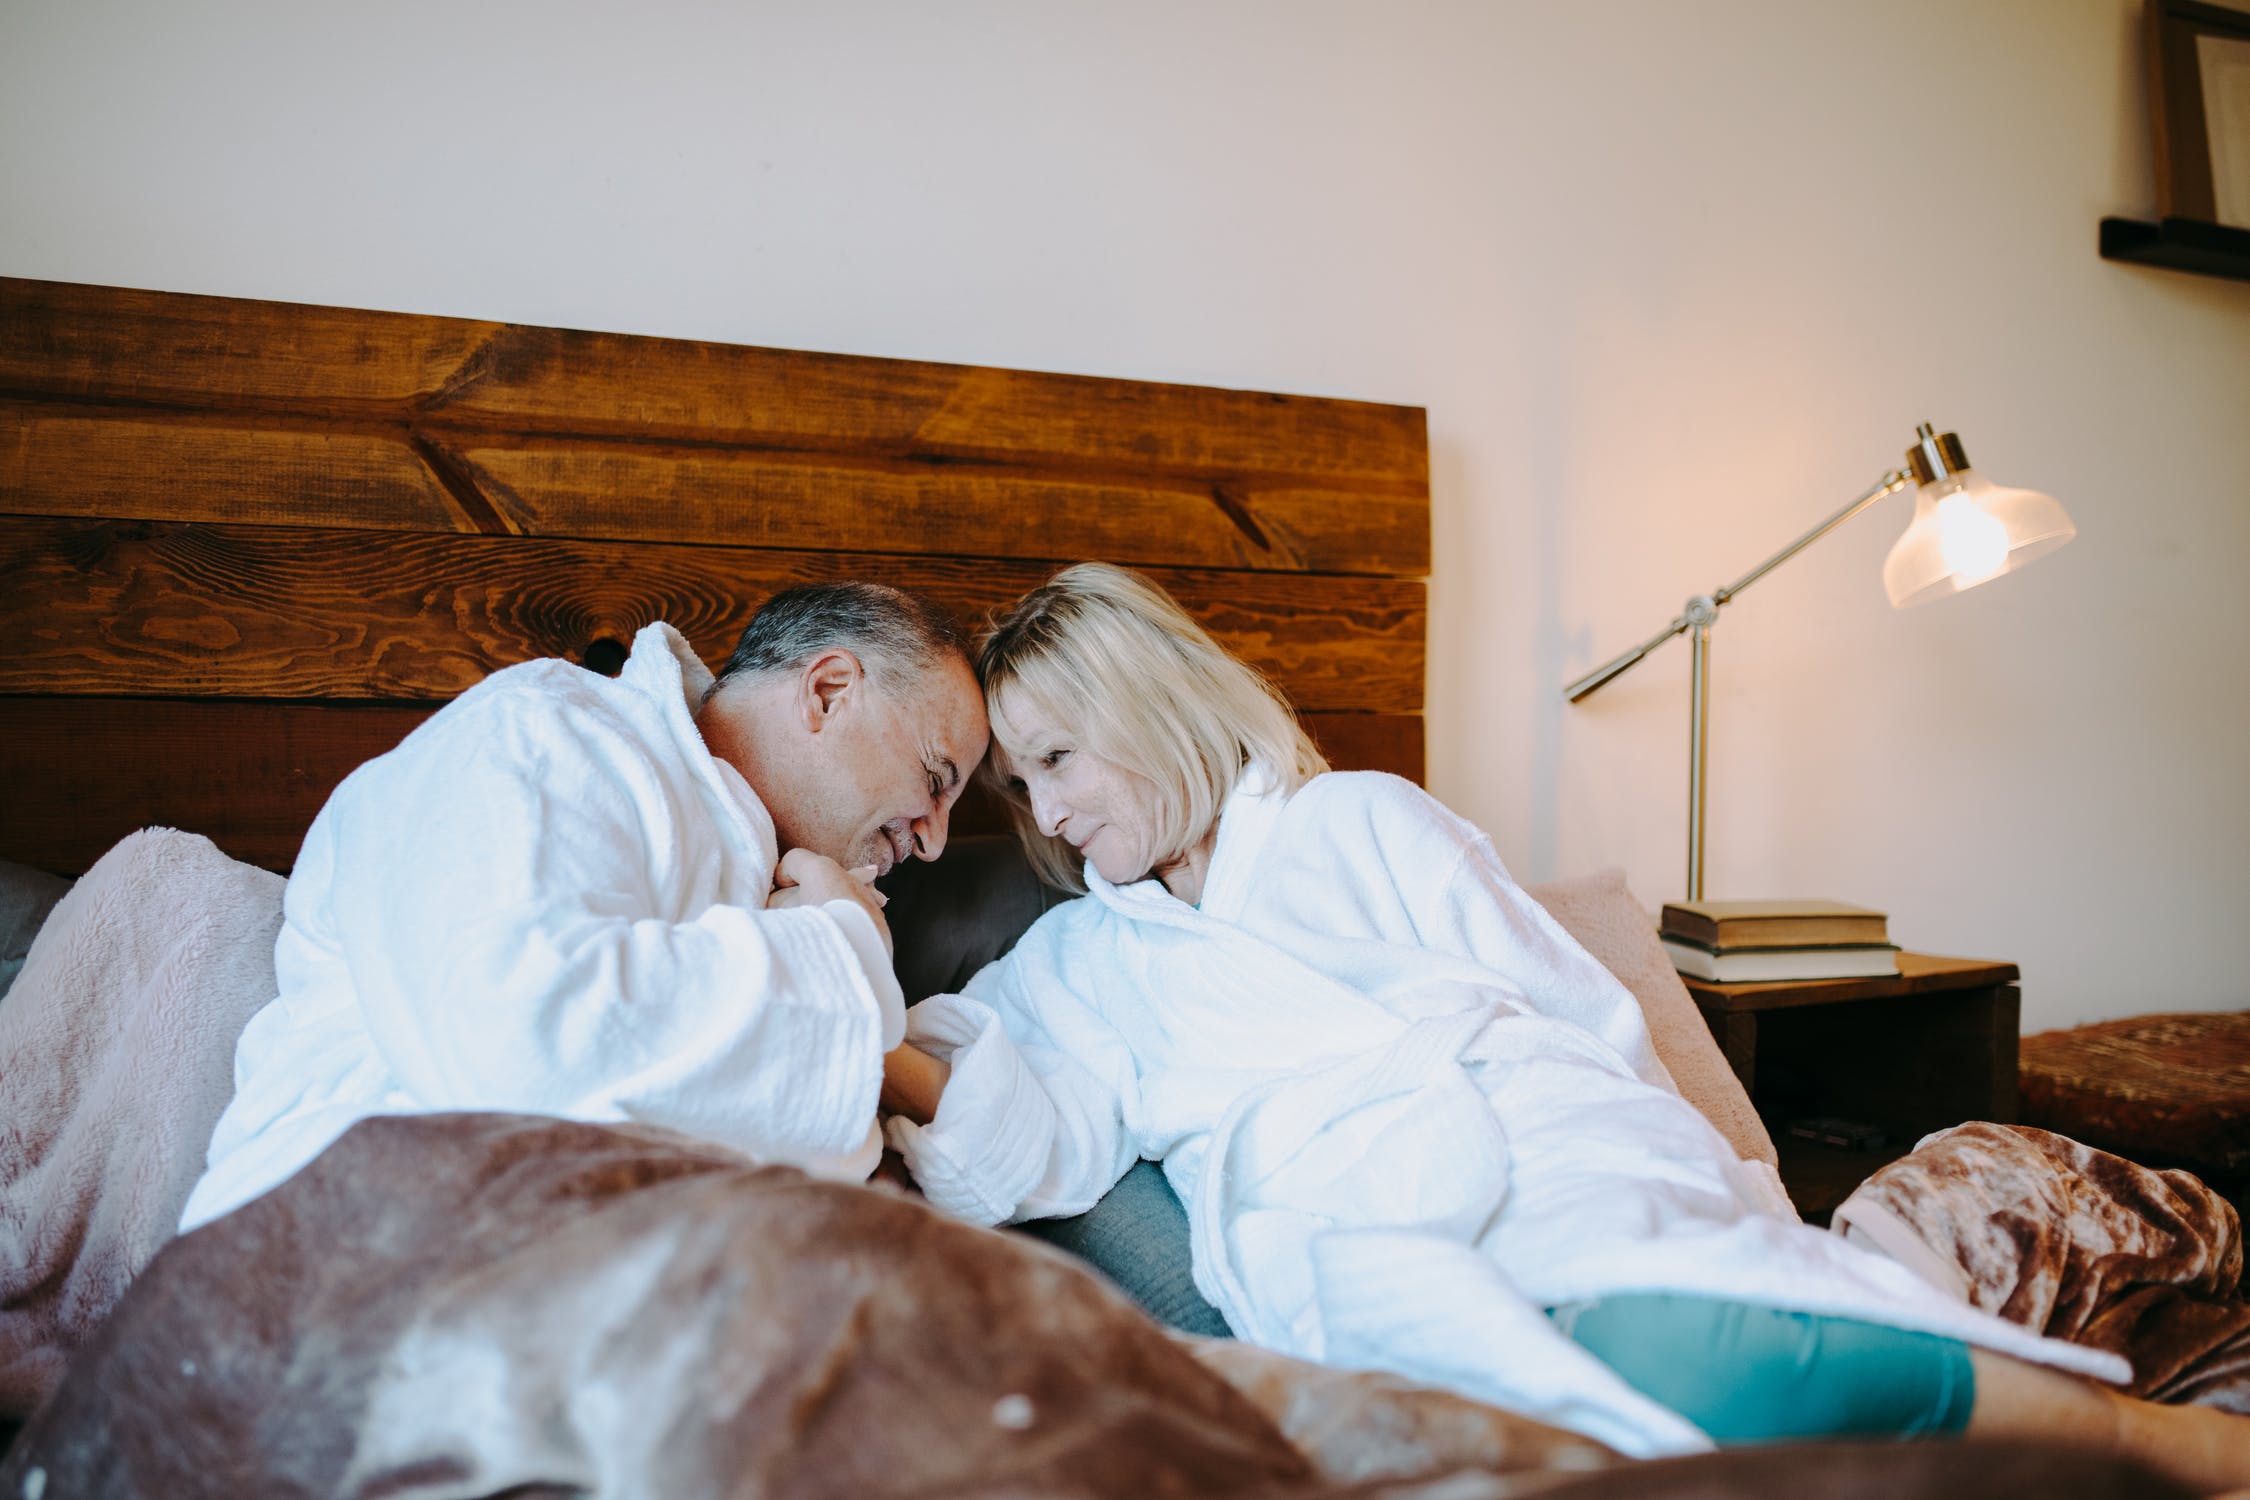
1761 1375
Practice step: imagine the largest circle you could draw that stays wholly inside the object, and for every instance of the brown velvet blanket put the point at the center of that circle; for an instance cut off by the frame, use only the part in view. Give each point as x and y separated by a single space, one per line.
2079 1244
478 1305
454 1306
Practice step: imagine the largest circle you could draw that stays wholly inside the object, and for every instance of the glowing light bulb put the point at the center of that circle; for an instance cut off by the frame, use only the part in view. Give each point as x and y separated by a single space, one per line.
1972 543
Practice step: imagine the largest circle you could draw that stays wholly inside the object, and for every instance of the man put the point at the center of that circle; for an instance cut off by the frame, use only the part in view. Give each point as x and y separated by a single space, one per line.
643 899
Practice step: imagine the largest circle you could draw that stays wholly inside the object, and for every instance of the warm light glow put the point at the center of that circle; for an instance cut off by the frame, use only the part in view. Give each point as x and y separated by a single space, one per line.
1972 543
1966 531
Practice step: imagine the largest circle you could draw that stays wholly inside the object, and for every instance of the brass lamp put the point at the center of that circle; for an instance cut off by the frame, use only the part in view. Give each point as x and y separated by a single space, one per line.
1966 531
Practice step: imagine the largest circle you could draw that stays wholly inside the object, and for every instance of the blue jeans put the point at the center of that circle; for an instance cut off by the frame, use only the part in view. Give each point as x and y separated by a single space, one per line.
1137 1236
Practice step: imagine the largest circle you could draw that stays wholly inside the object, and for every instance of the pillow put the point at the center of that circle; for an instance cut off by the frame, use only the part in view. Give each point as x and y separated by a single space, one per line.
116 1059
1601 913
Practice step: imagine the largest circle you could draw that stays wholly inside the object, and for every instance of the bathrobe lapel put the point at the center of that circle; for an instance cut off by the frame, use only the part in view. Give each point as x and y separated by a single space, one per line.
663 668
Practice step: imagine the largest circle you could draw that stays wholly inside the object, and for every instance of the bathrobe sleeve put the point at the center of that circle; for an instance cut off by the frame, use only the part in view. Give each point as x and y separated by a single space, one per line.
1461 900
1032 1121
506 897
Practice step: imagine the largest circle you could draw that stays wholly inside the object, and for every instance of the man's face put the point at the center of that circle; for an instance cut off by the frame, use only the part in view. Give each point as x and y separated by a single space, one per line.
865 768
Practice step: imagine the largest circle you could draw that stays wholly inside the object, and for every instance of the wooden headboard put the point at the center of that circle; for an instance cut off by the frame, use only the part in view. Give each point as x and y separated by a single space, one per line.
246 545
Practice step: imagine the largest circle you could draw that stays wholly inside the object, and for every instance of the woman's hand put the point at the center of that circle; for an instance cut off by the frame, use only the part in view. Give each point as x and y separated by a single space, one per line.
804 878
912 1082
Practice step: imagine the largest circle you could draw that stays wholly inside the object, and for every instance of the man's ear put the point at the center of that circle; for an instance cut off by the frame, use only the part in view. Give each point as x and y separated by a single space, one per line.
829 684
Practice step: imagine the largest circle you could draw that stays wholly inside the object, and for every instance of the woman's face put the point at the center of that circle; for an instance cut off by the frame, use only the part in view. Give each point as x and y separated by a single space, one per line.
1105 811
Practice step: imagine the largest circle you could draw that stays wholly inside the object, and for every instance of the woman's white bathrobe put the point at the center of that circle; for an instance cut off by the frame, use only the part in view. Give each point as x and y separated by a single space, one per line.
1404 1110
551 899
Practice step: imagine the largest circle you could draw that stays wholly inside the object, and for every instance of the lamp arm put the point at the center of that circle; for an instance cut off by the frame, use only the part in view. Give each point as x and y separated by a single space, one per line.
1889 484
1602 675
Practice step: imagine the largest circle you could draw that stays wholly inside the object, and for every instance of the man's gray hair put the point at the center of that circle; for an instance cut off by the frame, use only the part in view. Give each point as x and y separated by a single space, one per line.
888 629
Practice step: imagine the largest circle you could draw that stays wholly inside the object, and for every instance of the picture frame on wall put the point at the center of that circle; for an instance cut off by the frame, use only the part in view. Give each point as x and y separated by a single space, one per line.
2199 95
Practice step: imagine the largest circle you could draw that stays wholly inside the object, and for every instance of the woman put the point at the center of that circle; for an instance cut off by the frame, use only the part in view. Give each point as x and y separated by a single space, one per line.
1414 1125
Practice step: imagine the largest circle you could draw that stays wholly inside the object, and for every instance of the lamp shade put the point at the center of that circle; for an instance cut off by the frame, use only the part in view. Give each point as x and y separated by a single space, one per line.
1967 530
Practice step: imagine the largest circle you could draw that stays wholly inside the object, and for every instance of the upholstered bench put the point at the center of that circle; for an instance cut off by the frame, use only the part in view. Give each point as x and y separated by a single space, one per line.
2164 1090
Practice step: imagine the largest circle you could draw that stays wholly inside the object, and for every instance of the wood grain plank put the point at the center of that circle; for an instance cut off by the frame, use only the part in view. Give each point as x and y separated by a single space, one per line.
760 499
64 339
546 377
61 463
167 609
92 462
103 343
82 773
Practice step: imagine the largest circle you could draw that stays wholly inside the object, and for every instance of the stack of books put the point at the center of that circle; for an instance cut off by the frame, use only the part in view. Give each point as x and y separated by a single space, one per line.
1731 942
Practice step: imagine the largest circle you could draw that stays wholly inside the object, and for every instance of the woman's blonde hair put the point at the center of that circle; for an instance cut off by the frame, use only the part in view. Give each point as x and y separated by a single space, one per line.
1108 655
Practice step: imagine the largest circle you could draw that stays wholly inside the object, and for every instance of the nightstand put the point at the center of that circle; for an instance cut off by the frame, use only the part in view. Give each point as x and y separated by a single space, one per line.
1931 1046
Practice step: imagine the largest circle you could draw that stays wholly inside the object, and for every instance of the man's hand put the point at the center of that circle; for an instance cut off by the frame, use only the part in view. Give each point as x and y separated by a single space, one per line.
804 878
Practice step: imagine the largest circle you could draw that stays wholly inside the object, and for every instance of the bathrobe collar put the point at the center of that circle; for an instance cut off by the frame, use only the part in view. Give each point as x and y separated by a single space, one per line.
665 670
1246 821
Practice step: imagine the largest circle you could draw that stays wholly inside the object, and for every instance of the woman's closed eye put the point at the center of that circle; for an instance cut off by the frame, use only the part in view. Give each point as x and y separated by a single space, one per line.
1053 758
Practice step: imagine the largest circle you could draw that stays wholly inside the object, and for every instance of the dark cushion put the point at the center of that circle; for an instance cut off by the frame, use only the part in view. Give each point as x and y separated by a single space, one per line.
951 916
26 896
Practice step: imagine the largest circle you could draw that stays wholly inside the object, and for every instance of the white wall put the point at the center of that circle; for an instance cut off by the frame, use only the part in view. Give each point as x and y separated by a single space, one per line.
1673 281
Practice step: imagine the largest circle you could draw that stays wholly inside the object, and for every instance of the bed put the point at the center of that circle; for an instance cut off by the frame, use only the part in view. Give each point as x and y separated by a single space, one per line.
244 546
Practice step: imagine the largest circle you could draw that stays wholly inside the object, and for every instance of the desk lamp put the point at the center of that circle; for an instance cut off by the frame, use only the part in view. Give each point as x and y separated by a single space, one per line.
1966 530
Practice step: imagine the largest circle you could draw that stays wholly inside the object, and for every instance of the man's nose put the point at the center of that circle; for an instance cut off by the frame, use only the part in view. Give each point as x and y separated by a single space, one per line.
929 832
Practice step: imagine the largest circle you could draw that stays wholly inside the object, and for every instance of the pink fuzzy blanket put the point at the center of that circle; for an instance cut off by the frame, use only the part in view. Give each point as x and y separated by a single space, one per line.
116 1059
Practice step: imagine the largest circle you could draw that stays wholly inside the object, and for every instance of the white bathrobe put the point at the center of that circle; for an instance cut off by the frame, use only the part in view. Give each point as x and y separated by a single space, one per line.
551 898
1405 1111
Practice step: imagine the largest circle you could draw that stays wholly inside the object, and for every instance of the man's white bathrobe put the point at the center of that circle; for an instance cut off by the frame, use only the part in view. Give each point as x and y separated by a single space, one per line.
551 898
1405 1111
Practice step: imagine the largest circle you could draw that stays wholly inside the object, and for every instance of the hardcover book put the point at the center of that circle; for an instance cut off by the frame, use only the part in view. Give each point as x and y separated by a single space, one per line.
1759 965
1729 925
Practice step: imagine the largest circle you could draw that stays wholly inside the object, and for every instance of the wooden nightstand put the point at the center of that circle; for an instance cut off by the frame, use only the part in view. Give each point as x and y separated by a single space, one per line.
1933 1046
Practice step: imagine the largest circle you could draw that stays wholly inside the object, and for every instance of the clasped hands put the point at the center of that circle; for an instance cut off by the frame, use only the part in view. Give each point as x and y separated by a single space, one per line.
912 1079
804 878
